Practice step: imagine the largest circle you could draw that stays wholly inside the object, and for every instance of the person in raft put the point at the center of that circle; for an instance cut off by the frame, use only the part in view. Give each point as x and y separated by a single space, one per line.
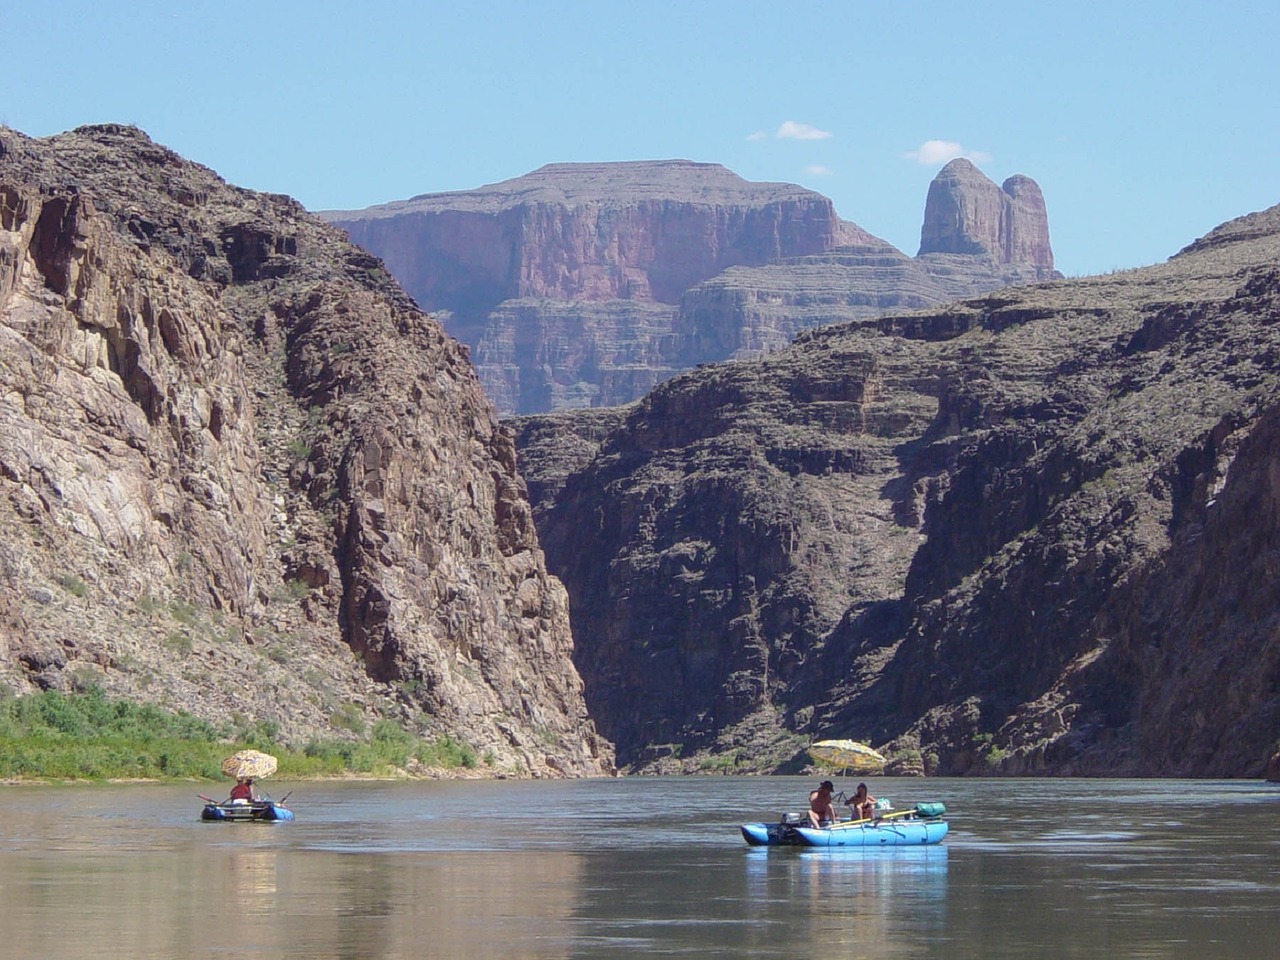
243 791
862 803
821 811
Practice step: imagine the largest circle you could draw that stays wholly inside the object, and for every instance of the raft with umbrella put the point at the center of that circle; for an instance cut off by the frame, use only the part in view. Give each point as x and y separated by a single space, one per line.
246 804
921 824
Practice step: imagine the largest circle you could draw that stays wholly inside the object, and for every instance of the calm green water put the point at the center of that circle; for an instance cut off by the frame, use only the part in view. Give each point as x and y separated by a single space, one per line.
640 867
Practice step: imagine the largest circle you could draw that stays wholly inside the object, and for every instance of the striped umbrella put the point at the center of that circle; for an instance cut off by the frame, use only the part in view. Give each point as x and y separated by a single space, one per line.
848 754
249 763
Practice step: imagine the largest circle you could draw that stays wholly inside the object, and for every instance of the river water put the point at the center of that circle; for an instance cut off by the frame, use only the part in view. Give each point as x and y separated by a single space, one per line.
639 867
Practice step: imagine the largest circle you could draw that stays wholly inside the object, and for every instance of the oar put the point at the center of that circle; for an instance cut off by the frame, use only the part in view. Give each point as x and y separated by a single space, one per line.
870 820
285 797
207 799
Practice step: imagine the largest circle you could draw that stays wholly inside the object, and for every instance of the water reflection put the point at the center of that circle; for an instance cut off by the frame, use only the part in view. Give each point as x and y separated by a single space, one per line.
406 905
250 881
850 899
638 868
849 872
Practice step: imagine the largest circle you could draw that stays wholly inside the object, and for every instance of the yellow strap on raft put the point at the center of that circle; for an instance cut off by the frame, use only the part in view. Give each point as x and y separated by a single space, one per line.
872 820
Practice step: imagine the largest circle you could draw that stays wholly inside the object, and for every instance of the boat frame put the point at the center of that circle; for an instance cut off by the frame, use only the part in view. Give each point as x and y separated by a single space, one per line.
258 811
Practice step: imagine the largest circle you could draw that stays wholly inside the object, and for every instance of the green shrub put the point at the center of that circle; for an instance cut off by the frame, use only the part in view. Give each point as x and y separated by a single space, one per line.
184 612
290 591
86 736
348 717
52 735
721 763
73 584
446 752
546 736
259 734
179 643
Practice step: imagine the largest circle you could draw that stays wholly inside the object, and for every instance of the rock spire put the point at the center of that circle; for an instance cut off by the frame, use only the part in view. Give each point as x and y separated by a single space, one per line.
966 212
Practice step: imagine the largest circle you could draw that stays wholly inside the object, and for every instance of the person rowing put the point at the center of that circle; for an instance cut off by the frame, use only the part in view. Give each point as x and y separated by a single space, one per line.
243 791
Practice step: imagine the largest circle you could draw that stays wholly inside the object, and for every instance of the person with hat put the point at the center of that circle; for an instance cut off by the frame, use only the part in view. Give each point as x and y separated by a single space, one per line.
821 811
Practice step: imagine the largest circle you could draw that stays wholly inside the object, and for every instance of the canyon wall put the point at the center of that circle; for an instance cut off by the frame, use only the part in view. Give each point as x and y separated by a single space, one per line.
587 284
1028 533
645 230
241 474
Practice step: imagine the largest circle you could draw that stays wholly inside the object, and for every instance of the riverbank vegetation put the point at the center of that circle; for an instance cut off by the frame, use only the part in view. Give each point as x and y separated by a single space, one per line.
56 736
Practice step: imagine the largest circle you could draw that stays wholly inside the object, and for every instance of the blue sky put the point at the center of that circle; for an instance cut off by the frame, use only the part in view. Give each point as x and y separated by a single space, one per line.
1145 124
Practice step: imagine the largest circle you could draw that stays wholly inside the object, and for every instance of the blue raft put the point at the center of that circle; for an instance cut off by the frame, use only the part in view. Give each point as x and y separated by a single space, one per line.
260 811
922 824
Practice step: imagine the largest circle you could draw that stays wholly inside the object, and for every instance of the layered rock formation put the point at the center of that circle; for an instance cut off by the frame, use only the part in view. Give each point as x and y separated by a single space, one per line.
967 213
587 284
747 311
1029 533
591 231
241 474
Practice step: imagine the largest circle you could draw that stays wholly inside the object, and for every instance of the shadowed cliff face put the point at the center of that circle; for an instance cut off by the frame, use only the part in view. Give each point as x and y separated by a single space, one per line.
242 475
587 284
1028 533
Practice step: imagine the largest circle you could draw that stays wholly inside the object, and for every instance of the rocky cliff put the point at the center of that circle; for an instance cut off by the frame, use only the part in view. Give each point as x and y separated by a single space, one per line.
967 213
587 284
747 311
242 474
1029 533
591 231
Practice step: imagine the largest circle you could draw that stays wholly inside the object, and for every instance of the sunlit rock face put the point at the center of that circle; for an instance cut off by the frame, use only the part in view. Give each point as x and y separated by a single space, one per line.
591 231
241 474
585 285
967 213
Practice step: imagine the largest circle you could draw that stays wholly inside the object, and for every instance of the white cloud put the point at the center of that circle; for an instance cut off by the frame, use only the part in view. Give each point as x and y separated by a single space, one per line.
818 170
933 152
794 130
758 135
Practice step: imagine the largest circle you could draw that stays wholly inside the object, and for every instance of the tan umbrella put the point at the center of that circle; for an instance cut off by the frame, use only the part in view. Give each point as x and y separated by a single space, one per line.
249 763
849 755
